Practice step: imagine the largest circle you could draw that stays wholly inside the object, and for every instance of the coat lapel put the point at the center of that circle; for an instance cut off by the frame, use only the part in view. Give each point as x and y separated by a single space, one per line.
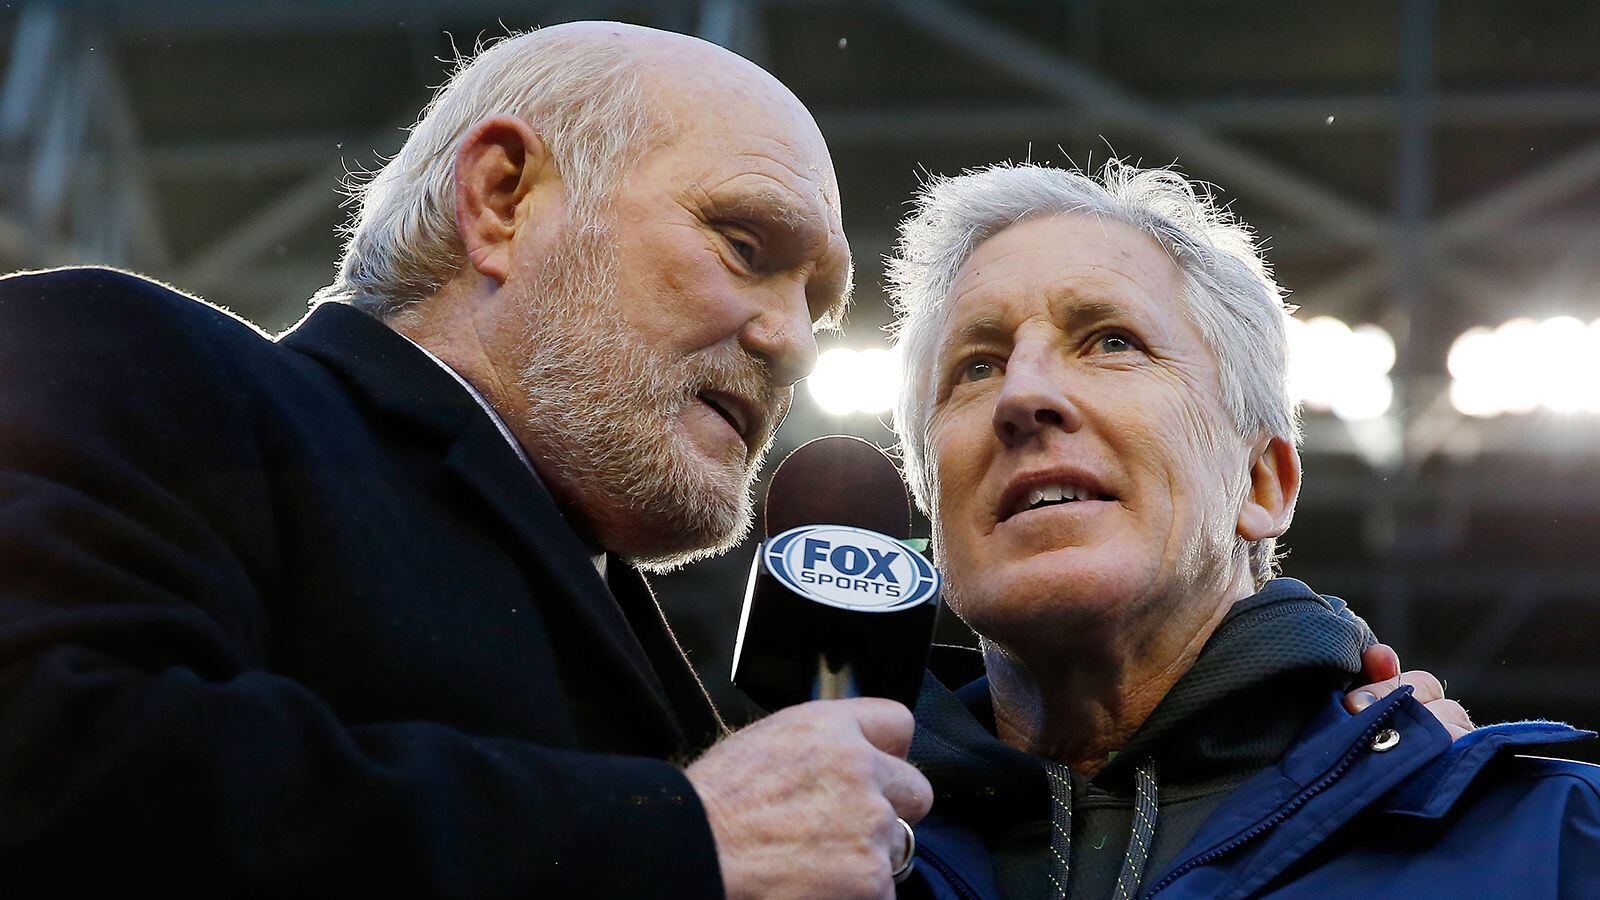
401 382
687 694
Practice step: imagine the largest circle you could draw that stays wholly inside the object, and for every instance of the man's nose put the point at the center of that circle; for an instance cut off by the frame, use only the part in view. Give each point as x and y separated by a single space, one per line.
780 334
1034 397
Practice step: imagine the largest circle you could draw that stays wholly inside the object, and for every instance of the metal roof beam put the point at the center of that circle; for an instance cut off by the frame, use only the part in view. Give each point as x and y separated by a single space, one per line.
738 25
316 195
164 20
1472 221
229 255
1530 106
1000 121
1243 169
38 37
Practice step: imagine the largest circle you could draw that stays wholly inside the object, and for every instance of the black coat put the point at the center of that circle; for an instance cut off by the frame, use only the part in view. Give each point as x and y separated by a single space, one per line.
293 617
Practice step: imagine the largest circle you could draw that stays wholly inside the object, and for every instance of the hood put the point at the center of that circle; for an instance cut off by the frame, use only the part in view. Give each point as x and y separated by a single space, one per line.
1281 649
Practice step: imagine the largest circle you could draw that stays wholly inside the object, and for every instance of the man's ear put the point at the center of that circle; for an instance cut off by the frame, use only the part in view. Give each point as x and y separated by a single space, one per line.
1274 487
501 165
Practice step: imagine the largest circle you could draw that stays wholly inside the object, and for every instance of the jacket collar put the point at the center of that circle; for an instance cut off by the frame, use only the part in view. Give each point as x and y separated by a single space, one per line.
1435 790
384 369
1393 757
1258 681
1333 773
403 385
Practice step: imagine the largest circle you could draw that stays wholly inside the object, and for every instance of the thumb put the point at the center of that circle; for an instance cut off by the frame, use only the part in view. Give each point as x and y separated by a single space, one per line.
885 724
1379 663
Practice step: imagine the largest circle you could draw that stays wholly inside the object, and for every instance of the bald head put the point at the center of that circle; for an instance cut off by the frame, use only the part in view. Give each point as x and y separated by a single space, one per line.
601 95
665 59
702 87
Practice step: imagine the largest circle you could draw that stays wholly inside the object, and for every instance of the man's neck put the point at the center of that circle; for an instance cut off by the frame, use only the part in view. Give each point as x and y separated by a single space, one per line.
444 326
454 326
1080 699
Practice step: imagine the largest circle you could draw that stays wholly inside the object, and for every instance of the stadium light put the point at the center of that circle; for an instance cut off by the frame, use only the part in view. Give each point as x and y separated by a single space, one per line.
848 381
1364 398
1523 365
1593 356
1338 369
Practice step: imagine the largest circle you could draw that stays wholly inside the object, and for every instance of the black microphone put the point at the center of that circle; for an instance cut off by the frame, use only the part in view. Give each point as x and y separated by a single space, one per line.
837 605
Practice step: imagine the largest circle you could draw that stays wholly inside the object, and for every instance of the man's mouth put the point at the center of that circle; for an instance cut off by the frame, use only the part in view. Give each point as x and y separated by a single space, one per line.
1039 492
736 411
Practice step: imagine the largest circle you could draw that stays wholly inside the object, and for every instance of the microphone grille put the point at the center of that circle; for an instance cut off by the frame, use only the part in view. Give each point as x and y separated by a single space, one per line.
838 480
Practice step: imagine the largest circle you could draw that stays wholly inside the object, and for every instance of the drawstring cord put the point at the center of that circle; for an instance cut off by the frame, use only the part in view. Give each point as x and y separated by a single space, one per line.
1060 778
1144 830
1145 805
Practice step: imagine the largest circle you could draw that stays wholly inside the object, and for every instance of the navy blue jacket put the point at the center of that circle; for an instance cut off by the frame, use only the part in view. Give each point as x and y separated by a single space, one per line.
292 617
1339 818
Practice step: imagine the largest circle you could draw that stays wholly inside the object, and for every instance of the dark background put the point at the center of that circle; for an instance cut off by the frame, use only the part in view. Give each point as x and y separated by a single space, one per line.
1427 165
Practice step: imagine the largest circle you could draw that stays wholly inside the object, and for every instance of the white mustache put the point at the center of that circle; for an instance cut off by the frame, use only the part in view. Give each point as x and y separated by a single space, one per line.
744 376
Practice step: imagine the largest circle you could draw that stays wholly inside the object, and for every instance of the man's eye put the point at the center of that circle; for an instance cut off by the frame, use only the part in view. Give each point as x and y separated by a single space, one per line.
746 249
1115 343
978 370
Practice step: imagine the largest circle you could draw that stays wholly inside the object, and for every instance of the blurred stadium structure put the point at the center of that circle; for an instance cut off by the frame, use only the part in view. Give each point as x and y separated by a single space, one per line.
1423 166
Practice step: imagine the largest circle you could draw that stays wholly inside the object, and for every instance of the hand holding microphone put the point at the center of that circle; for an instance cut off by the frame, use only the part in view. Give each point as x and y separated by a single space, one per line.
804 802
810 801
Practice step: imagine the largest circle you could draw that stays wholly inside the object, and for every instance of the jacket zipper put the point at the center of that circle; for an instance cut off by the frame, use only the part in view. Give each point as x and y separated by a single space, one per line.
1285 810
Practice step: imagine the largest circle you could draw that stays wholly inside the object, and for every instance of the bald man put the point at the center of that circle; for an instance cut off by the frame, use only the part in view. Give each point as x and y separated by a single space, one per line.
359 611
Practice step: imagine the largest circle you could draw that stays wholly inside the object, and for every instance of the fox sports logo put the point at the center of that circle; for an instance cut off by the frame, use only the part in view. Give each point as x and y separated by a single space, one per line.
850 568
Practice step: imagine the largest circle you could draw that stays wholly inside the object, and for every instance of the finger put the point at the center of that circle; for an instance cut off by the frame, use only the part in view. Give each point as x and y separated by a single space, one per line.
1381 666
1364 696
1424 686
906 789
892 837
1453 716
885 724
1379 663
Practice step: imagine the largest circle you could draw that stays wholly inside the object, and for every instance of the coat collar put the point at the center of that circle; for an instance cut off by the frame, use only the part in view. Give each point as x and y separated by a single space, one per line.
402 384
1332 773
384 369
1393 757
1435 790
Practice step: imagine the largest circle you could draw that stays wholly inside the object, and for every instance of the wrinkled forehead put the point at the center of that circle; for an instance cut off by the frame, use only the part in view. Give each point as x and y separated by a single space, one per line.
730 112
1057 263
743 144
1078 272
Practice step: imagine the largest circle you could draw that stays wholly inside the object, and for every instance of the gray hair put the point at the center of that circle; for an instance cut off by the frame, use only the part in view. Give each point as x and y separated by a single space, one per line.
583 98
1229 292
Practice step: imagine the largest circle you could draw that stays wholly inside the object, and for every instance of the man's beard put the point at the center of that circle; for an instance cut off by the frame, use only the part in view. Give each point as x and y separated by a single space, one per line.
604 409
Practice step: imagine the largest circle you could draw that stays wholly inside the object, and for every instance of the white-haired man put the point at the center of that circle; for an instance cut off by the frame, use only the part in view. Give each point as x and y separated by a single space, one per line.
1097 422
358 612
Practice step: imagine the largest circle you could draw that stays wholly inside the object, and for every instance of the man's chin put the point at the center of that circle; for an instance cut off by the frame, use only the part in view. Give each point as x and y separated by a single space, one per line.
677 505
682 525
712 538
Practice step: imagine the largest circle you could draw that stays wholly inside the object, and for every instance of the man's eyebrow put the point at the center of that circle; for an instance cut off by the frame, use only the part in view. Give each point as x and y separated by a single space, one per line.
989 329
979 330
799 218
832 318
769 203
1084 313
